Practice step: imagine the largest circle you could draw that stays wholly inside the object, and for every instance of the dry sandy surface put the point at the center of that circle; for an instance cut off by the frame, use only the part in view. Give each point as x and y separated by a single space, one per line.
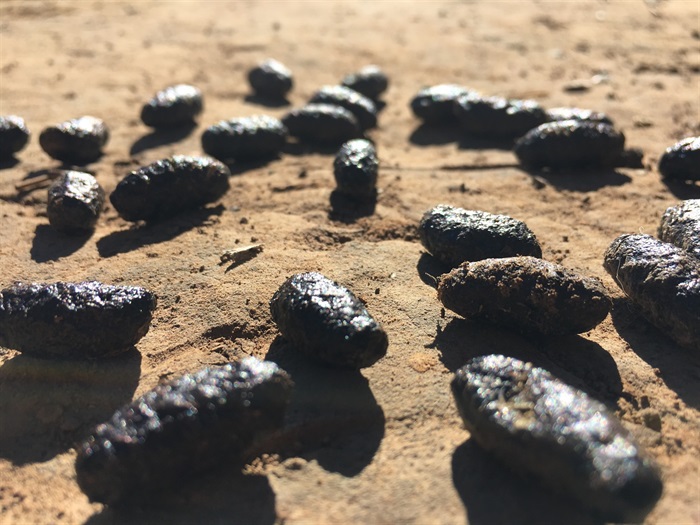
385 445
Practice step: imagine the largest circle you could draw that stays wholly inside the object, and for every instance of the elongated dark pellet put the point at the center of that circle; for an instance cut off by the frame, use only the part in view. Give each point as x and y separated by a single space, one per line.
359 105
174 106
662 280
14 135
170 186
77 141
247 138
180 428
369 81
355 169
271 79
435 104
588 115
682 160
680 225
322 123
454 235
537 424
74 320
497 117
75 201
526 293
570 144
327 321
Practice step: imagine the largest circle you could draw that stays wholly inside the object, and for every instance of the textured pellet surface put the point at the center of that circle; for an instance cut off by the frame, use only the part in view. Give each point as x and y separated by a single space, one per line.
662 280
525 293
682 160
247 138
537 424
359 105
14 135
327 321
74 320
180 428
570 144
174 106
369 81
355 169
435 104
587 115
496 116
77 141
322 123
454 235
75 201
271 79
170 186
680 225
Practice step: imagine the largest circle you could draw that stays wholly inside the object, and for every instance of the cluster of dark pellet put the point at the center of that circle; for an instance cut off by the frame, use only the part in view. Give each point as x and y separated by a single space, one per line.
245 139
682 160
539 425
180 428
360 106
174 106
74 320
327 321
14 135
496 116
75 201
77 141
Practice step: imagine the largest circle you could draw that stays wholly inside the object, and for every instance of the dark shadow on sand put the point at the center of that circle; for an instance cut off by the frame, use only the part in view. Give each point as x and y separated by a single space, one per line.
681 189
162 137
48 405
301 148
428 134
430 269
581 180
268 102
51 245
347 209
8 163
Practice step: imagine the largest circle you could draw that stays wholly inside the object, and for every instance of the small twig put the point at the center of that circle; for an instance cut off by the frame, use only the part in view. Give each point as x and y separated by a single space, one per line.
38 182
238 256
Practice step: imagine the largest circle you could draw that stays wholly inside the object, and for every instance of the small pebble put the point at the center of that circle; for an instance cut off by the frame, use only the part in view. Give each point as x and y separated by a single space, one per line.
174 106
362 107
14 135
271 79
682 160
680 225
369 81
259 137
75 201
78 141
322 124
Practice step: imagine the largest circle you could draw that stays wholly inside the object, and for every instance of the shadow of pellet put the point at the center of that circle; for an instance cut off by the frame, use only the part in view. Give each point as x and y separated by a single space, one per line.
50 245
162 137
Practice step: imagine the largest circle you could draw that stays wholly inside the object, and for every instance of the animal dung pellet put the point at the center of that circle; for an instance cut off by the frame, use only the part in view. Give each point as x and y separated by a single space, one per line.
355 169
174 106
680 225
525 293
538 425
180 428
74 320
587 115
75 201
454 235
327 321
497 117
662 280
682 160
369 81
14 135
359 105
570 144
435 104
271 79
322 123
78 141
258 137
170 186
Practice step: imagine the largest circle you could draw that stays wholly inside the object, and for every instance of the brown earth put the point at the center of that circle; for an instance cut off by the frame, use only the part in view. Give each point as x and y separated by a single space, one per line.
386 445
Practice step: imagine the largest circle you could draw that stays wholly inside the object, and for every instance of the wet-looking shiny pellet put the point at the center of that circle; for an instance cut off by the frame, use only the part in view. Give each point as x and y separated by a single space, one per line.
75 201
174 106
271 79
497 117
14 135
362 107
369 81
246 139
435 104
355 169
324 124
682 160
680 225
77 141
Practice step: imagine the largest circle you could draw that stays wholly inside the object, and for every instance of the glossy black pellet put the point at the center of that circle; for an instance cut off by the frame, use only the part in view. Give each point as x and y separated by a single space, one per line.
14 135
248 138
170 186
525 293
587 115
174 106
662 280
454 235
327 321
322 123
362 107
180 428
435 104
539 425
369 81
682 160
77 141
74 320
497 117
271 79
570 144
680 225
355 169
75 201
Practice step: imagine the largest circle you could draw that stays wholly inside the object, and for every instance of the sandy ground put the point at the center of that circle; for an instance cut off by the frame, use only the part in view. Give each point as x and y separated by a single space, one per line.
384 445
